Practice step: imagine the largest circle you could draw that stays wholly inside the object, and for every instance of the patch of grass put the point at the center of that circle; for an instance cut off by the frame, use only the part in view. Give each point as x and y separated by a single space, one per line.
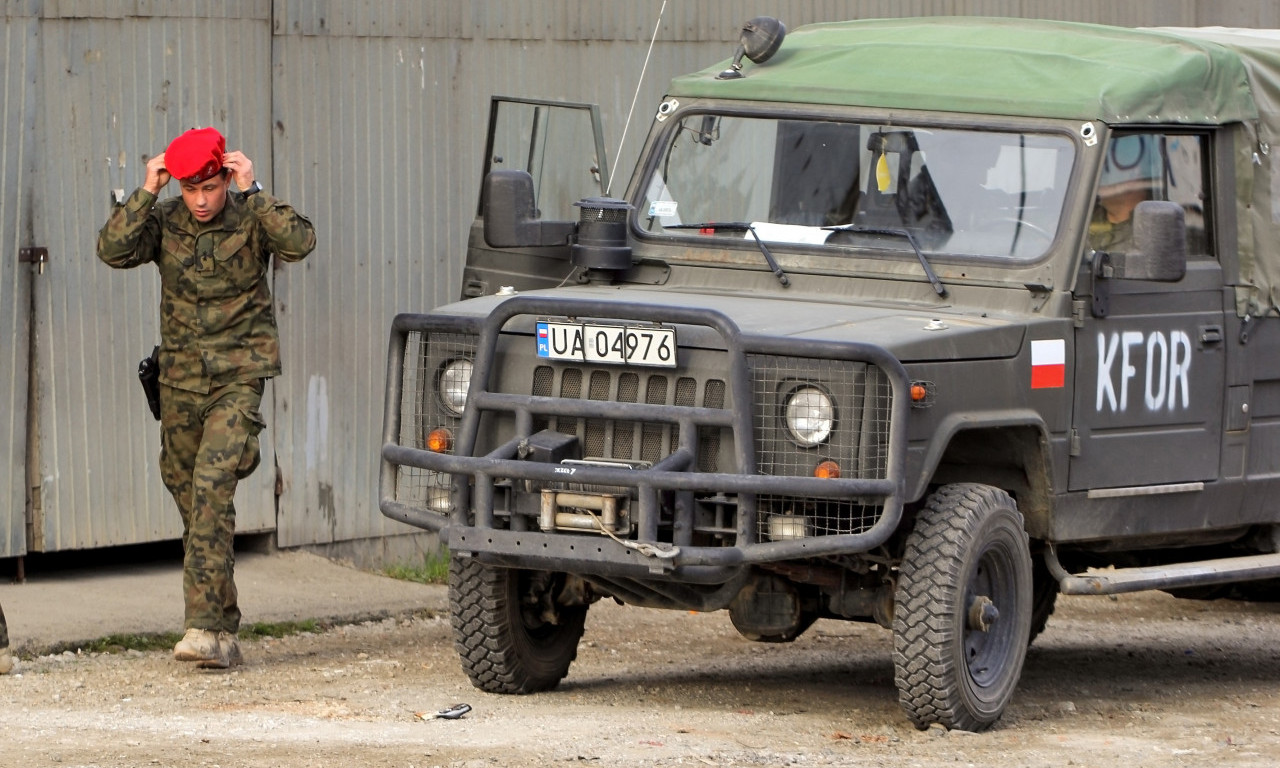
166 640
279 628
433 570
122 643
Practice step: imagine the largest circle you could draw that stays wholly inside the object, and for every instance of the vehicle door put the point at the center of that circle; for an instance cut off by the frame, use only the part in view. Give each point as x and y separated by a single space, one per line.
561 146
1150 357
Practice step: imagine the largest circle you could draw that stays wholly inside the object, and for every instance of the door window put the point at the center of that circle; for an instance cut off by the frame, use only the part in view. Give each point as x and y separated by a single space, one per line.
1151 166
559 144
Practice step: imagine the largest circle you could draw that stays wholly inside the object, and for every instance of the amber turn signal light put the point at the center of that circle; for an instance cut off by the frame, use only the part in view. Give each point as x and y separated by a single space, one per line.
828 470
439 440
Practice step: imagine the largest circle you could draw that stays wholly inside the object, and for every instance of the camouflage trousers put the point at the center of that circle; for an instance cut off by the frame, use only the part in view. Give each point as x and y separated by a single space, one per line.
208 444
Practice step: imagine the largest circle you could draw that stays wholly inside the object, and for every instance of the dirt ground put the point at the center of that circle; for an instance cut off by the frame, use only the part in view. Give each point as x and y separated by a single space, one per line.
1142 680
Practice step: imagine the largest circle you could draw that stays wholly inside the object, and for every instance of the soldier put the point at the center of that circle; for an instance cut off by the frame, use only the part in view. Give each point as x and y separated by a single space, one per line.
1129 176
219 344
6 659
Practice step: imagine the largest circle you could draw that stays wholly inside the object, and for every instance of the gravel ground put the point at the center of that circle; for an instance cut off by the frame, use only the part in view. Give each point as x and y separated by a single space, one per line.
1142 680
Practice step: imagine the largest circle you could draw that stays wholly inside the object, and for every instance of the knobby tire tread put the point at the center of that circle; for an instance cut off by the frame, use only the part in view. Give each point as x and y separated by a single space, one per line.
924 669
485 635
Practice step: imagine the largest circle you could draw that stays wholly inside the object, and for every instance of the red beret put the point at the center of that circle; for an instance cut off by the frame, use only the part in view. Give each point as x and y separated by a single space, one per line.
195 155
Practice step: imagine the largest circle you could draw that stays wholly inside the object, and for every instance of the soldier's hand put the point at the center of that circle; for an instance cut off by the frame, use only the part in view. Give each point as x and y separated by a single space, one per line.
241 168
157 175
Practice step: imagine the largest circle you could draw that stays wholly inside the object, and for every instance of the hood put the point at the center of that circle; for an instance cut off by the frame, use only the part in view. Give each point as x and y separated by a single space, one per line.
912 334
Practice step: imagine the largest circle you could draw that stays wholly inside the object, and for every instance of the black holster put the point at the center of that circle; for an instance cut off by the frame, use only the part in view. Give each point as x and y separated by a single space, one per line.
149 375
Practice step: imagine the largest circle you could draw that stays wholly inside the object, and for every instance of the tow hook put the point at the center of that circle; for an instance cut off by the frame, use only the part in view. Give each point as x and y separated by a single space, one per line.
982 613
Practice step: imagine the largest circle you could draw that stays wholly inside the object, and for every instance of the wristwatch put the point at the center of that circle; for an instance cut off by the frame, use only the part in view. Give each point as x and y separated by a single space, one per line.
253 189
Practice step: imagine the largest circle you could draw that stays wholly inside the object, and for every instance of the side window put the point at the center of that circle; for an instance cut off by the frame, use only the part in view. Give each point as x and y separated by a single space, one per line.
1151 166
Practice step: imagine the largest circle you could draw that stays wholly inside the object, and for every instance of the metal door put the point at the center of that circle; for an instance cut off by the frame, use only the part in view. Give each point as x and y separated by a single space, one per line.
114 92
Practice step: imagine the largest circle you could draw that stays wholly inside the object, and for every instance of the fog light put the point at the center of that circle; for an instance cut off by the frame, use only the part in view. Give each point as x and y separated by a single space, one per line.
439 500
787 527
827 470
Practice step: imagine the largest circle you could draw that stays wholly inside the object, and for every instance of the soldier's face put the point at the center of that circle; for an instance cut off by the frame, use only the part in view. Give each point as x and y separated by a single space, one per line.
206 199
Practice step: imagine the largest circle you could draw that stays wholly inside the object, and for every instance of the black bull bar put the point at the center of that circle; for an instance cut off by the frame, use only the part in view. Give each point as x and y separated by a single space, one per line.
674 472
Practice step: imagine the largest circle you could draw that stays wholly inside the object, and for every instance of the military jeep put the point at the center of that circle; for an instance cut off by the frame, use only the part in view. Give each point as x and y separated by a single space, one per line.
915 322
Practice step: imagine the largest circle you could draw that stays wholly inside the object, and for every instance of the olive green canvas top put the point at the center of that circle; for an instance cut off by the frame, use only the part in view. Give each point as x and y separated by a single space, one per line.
997 66
1052 69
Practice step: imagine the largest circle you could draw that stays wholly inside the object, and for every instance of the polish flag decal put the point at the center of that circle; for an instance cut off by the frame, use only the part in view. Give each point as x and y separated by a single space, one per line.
1048 364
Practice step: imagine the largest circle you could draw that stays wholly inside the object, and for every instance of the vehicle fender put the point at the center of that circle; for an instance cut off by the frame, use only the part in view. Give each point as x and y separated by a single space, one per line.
1011 437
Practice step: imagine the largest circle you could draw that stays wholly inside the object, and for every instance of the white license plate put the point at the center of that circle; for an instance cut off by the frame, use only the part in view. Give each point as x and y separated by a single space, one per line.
617 344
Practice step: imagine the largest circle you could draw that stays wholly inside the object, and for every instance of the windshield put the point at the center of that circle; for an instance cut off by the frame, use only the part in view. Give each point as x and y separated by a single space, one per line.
845 186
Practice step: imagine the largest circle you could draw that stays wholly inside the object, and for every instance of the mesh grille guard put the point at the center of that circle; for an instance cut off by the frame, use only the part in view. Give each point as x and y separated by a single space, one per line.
675 471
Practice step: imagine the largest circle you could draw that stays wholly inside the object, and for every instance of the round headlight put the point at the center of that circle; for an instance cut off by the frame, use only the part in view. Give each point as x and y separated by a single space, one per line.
453 383
809 416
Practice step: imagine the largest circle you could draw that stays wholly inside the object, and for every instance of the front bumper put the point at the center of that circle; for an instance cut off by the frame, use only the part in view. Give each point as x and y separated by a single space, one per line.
670 483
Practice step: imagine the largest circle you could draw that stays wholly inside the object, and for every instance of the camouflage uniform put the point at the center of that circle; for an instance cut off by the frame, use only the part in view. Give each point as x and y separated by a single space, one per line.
1112 237
219 343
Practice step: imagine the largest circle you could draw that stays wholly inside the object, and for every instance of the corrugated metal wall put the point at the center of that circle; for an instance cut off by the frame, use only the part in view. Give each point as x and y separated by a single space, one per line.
369 117
385 155
17 163
380 111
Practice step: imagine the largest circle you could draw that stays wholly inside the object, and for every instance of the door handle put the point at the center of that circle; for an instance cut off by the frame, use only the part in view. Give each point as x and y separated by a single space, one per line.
1211 334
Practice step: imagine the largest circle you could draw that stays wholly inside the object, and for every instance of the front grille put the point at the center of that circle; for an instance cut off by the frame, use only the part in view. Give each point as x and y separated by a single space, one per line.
860 393
627 440
862 399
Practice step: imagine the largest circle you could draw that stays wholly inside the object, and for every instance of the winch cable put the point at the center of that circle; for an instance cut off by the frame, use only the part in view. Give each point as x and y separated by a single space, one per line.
658 550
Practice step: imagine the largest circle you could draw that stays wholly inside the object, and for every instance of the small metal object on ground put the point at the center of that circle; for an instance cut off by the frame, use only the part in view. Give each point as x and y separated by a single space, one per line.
452 713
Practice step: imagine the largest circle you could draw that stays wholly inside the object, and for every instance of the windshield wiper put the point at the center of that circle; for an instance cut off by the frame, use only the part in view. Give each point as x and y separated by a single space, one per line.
938 287
742 226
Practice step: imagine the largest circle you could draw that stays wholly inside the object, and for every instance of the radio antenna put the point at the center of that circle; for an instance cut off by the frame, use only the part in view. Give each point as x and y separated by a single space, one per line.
634 98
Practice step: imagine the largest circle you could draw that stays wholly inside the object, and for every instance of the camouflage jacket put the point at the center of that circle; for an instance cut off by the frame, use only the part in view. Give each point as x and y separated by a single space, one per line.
217 321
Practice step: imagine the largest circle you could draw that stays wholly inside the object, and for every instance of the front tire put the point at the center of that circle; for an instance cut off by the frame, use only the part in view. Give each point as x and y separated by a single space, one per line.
509 630
962 617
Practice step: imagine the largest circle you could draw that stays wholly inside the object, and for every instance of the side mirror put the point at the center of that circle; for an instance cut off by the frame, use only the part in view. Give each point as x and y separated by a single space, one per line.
1160 243
1160 240
761 37
511 218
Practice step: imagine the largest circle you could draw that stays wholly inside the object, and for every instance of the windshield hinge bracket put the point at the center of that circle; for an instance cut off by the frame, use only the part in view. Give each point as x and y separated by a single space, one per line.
1078 310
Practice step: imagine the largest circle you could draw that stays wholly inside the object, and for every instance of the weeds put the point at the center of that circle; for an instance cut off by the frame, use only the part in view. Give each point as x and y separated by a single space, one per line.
122 643
433 570
165 641
278 628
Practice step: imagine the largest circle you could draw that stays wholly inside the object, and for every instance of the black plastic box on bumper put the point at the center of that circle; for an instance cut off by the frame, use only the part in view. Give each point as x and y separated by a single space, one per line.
594 553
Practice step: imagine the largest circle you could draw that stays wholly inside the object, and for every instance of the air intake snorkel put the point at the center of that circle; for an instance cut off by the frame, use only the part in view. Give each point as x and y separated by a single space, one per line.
600 246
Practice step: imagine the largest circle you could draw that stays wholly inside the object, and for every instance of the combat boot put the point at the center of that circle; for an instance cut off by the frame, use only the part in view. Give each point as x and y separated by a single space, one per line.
200 645
6 661
231 645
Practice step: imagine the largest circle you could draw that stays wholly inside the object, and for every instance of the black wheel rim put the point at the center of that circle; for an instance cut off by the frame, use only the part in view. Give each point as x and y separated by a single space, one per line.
528 597
987 652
